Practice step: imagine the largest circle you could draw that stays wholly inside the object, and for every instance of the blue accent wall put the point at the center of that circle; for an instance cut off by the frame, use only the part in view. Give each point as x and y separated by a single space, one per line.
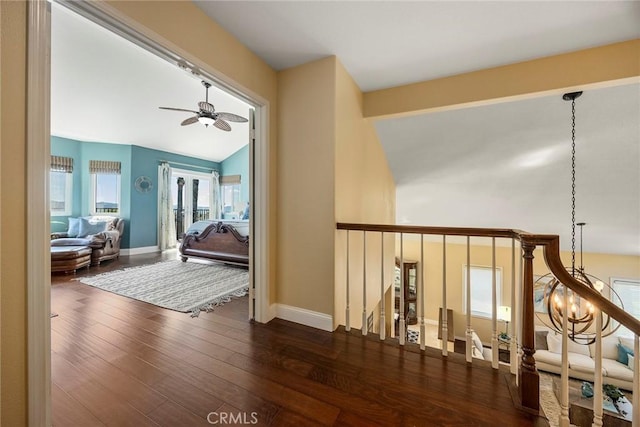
139 210
238 164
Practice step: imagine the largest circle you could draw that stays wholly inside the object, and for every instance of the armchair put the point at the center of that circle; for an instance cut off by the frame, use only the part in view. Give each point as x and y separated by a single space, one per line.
104 244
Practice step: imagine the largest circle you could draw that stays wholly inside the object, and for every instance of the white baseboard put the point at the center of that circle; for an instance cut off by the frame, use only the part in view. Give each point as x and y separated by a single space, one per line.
139 251
304 317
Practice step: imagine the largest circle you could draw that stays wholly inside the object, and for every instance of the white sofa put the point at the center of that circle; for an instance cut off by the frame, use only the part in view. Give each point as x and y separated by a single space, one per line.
581 363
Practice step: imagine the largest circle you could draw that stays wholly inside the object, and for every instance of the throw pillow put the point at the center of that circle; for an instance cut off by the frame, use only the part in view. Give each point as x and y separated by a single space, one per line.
554 343
623 354
631 361
74 227
541 340
574 347
87 228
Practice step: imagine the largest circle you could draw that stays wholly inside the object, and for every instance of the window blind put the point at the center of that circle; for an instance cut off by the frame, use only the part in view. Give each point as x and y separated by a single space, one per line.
230 179
62 164
104 166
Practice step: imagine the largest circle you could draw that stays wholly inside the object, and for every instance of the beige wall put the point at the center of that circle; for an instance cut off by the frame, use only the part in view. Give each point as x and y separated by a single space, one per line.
365 193
331 168
306 135
12 226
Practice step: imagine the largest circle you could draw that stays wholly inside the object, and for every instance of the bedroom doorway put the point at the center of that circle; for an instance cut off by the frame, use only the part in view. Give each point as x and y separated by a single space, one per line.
38 165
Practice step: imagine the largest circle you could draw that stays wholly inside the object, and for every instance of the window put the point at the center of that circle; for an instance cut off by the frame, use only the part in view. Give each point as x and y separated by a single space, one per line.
105 187
481 294
60 186
230 191
629 292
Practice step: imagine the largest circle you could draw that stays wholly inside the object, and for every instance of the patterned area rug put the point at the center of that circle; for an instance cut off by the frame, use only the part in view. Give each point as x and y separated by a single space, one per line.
177 285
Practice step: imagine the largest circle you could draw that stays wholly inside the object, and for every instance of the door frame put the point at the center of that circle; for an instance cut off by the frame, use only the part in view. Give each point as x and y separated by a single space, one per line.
38 152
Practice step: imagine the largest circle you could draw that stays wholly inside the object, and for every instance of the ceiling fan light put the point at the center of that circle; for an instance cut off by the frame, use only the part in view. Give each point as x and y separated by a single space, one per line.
206 120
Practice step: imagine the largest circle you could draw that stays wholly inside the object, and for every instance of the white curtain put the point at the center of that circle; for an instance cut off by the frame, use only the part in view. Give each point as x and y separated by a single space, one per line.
167 229
216 201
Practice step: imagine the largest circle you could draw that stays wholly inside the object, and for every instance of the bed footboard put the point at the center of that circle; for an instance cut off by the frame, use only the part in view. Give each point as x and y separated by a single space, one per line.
218 242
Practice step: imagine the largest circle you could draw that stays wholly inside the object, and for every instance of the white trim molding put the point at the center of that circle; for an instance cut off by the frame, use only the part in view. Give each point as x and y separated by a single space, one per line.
304 317
139 251
38 226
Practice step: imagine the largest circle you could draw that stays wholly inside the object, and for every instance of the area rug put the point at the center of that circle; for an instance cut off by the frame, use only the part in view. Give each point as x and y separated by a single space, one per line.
176 285
548 400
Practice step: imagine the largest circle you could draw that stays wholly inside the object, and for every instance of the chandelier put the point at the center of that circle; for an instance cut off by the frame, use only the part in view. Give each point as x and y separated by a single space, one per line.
580 313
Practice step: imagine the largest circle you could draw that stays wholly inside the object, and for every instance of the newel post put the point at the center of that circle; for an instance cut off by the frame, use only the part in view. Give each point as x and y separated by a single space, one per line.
529 378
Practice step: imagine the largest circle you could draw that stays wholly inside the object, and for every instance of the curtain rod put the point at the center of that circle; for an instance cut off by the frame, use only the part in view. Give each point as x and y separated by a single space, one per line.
186 164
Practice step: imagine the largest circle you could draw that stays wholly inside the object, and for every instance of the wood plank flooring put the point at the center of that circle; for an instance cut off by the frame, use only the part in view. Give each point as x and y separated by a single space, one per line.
121 362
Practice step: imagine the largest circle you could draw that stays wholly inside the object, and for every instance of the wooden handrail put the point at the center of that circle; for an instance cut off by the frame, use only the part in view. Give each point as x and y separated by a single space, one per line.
550 243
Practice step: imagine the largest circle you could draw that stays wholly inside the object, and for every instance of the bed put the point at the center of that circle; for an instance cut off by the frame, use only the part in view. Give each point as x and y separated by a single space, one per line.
217 240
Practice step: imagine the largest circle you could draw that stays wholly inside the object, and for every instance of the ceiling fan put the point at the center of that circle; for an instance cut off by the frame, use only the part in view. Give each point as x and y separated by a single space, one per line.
207 114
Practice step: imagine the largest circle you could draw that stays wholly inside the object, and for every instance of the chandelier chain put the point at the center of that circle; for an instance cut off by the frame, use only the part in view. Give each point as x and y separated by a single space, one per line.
573 187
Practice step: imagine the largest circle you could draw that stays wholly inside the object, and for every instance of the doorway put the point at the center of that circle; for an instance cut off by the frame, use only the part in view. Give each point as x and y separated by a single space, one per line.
39 362
192 195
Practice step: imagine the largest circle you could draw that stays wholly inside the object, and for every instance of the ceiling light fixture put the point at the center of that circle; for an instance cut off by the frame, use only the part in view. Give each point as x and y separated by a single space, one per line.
580 313
206 121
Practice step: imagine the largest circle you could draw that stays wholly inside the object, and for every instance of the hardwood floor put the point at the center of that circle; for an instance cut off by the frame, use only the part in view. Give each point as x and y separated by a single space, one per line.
121 362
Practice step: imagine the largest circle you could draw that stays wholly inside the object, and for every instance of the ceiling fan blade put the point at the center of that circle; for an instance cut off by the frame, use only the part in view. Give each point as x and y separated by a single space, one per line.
221 124
177 109
232 117
190 121
205 106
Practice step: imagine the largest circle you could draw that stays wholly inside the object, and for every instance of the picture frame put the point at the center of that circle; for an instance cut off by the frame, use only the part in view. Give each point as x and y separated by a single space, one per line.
539 292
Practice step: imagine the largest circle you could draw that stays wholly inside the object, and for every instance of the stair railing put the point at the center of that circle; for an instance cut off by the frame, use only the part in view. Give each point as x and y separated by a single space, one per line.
522 300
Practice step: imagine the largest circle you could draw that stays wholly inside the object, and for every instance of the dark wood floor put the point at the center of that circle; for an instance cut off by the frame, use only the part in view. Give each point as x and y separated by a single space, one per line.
121 362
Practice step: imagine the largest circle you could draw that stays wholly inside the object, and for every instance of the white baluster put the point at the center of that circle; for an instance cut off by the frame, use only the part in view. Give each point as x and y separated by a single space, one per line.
445 328
364 283
468 333
513 348
421 270
636 383
347 321
597 380
494 307
518 326
382 315
564 369
402 329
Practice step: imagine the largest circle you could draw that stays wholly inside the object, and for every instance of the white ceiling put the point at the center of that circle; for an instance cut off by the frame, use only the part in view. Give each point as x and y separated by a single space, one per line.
106 89
505 165
389 43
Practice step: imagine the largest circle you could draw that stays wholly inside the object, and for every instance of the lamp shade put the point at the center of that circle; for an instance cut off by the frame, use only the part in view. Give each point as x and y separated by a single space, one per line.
504 313
206 120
